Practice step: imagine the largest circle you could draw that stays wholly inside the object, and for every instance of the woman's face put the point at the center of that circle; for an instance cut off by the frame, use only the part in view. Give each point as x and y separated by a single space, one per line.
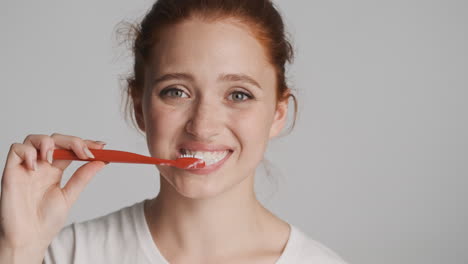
209 92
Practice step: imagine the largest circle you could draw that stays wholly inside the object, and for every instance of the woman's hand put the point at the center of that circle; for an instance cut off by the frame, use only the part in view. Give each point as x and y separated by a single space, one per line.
33 206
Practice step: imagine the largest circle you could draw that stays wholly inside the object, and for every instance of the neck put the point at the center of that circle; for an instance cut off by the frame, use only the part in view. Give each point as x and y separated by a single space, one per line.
224 224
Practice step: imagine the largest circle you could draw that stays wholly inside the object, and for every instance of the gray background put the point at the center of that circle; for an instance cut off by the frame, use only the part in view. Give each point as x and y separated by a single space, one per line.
376 166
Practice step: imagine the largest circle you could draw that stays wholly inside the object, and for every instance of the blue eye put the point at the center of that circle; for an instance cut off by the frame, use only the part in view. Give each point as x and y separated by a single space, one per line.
240 96
173 92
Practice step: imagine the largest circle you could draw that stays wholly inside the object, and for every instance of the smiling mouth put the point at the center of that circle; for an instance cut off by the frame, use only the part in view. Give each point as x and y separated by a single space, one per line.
209 157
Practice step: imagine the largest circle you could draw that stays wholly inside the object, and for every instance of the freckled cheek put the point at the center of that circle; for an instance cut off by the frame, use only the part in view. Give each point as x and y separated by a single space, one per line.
166 117
251 129
163 124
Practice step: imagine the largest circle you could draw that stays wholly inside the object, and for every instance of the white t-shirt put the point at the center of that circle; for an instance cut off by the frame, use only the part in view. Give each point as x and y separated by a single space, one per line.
124 237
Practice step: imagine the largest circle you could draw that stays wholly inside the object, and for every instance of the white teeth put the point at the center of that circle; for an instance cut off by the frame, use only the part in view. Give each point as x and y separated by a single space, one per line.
210 157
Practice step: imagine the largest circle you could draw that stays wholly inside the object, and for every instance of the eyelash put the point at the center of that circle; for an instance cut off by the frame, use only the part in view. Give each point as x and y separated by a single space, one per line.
168 90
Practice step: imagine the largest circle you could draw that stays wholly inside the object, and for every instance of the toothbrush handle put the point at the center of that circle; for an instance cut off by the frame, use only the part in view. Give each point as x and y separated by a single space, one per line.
109 156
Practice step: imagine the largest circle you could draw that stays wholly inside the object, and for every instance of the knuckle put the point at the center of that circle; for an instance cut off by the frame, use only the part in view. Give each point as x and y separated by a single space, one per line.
30 151
23 150
15 145
56 135
29 137
41 140
76 141
32 137
47 141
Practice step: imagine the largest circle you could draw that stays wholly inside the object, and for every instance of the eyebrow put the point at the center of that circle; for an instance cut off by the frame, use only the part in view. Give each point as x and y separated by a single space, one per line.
222 77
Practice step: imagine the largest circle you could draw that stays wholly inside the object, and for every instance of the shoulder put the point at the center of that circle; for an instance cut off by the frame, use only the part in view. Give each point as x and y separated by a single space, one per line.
118 224
96 236
121 223
303 249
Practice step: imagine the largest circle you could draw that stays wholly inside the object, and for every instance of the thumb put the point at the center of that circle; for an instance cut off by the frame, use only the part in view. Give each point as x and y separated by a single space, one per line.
80 179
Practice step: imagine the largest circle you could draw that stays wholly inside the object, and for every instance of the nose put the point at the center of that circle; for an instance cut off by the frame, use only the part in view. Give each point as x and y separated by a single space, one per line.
204 122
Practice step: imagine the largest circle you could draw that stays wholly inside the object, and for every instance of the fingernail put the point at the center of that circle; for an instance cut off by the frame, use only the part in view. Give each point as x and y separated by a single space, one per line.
88 152
35 165
50 156
101 142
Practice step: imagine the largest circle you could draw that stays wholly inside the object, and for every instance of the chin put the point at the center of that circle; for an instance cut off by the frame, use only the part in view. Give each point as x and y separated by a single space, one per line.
194 186
198 189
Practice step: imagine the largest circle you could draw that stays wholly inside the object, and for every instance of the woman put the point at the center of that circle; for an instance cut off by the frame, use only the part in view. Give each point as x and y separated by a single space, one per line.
208 82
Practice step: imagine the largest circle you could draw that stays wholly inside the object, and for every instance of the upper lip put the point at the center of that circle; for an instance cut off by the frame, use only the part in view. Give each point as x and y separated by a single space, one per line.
198 146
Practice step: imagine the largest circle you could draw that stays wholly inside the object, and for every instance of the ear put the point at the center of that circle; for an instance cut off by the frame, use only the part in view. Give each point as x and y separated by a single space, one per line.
279 121
138 110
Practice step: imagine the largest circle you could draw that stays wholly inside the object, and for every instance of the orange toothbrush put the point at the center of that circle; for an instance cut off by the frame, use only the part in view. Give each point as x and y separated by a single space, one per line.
128 157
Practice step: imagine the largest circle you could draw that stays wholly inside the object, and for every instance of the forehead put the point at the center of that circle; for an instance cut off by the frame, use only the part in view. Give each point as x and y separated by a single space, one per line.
208 48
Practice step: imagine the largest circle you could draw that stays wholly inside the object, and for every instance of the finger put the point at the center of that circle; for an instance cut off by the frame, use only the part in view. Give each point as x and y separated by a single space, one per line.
76 144
43 144
80 179
95 144
63 164
20 153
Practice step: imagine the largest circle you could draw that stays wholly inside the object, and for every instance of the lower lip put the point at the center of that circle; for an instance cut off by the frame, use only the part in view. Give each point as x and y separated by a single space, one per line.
211 168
